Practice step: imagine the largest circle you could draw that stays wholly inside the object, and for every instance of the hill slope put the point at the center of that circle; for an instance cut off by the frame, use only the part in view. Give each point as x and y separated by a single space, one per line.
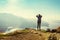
28 34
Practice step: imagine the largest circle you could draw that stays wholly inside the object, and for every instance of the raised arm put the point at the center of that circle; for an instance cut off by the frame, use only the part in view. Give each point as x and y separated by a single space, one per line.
37 15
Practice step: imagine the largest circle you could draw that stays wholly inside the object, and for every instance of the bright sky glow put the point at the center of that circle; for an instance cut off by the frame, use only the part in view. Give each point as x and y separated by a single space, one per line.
49 9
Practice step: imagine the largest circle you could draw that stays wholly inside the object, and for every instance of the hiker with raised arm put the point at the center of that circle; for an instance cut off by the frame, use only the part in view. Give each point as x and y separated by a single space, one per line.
39 21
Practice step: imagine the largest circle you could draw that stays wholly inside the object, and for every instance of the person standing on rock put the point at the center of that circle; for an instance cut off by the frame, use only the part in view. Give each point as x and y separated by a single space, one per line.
39 21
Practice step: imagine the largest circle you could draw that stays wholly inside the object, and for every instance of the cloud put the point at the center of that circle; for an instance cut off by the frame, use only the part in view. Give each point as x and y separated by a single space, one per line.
55 24
46 24
10 21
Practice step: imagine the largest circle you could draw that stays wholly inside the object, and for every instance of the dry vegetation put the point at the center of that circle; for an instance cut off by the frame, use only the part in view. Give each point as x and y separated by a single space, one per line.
29 34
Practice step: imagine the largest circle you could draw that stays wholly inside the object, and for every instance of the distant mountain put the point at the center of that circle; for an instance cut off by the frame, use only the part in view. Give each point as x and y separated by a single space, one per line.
9 20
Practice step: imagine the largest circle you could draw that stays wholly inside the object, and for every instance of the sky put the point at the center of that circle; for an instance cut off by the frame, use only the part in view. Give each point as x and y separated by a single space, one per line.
49 9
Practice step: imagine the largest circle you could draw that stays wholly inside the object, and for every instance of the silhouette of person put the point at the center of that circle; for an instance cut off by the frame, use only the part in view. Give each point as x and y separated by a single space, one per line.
39 21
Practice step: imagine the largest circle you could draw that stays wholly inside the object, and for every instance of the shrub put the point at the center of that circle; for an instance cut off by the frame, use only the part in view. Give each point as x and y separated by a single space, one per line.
53 30
48 30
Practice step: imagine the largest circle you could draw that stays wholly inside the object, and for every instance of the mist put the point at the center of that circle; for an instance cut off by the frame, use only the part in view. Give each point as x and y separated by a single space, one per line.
9 22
